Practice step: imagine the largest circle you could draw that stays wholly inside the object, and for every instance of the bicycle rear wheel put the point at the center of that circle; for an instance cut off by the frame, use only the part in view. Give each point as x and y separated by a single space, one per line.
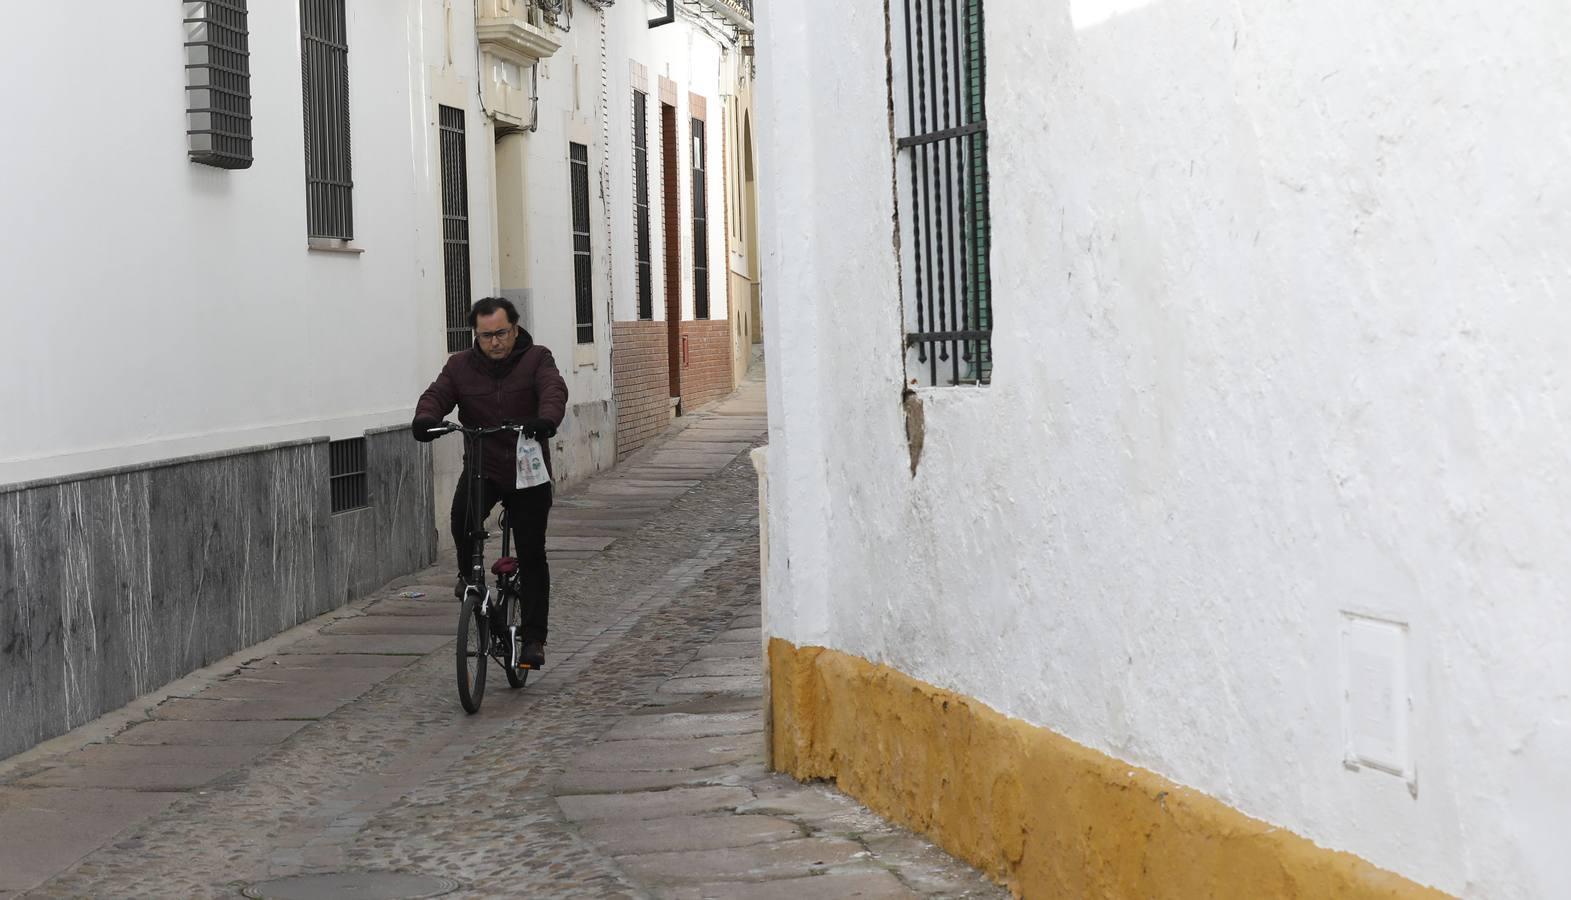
474 639
513 604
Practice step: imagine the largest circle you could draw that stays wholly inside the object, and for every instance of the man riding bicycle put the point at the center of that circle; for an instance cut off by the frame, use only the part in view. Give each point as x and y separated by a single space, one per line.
504 378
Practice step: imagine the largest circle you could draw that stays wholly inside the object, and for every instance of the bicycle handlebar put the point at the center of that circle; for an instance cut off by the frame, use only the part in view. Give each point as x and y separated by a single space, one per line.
450 427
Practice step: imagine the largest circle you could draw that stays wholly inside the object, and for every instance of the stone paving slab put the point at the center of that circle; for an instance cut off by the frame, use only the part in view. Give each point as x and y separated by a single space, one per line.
822 807
686 725
780 859
698 470
132 777
708 704
731 650
723 666
317 683
693 458
370 644
665 755
652 804
218 709
687 833
296 658
603 528
588 781
396 625
924 867
721 438
619 506
48 829
829 886
593 543
636 485
724 431
609 514
204 733
187 755
571 556
746 685
434 605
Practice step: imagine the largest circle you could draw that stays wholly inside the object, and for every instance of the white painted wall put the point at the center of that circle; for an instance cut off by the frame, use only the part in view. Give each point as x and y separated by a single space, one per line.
700 60
152 308
585 96
1279 338
601 45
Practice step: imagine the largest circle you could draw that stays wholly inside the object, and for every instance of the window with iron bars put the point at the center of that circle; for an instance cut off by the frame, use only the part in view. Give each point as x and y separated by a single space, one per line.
218 83
946 227
646 296
324 68
700 225
455 226
583 272
347 481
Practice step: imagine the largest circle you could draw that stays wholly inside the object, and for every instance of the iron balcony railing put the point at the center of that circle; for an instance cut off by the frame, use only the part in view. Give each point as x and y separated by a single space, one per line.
737 12
745 7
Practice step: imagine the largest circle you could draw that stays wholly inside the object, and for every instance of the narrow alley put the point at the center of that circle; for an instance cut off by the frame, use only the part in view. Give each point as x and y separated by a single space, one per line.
1158 490
631 767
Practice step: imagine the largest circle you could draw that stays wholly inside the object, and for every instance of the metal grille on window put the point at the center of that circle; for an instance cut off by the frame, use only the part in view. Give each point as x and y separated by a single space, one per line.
218 83
646 297
455 227
324 67
700 225
348 475
947 229
583 282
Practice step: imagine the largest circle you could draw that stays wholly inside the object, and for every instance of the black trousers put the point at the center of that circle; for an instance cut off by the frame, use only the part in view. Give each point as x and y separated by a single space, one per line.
528 509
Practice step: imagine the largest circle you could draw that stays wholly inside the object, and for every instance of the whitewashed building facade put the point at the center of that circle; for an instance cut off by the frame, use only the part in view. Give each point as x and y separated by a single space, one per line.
1215 548
241 240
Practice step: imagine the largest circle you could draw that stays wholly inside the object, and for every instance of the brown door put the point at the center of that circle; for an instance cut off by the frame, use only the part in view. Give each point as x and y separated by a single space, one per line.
673 246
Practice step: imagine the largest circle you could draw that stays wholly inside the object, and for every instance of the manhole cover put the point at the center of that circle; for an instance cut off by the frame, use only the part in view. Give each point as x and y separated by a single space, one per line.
352 886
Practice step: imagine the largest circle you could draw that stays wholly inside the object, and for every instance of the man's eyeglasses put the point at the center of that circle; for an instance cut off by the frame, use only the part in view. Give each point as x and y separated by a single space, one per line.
488 336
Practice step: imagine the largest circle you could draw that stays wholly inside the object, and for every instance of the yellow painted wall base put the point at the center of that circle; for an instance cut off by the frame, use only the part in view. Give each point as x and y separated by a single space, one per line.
1036 811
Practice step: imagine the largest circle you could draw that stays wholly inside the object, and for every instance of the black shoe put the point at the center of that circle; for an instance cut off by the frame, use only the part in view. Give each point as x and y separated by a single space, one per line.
532 656
460 588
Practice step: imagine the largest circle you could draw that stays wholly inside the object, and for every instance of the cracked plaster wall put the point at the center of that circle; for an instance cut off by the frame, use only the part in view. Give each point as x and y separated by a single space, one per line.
1280 335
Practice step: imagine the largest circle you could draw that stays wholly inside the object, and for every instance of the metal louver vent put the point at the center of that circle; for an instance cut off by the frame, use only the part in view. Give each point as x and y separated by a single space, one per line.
218 83
347 471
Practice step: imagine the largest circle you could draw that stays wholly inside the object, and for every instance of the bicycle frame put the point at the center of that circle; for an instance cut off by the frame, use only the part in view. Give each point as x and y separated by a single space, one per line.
474 468
479 600
474 459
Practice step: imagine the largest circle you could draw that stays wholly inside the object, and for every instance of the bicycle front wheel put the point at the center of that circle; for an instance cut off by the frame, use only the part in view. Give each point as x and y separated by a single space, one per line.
474 639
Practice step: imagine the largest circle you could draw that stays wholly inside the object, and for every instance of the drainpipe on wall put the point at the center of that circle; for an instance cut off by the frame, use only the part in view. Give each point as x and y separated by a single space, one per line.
668 18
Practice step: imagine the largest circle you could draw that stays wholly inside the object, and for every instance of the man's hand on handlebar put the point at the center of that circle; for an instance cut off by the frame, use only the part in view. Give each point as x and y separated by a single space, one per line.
541 429
427 429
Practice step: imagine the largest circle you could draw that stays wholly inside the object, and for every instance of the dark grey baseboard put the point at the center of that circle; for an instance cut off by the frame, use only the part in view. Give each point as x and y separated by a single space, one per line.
114 584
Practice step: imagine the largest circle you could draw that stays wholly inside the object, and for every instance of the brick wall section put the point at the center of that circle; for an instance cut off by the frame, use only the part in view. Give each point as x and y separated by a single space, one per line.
707 373
641 383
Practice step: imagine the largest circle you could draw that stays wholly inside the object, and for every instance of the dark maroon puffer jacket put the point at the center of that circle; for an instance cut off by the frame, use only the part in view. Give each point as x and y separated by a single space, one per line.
523 386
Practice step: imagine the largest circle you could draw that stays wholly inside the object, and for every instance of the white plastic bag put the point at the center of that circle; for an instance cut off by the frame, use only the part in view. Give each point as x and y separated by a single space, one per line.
531 463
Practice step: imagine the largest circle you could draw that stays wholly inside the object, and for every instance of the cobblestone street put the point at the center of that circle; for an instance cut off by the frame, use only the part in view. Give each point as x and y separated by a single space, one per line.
632 766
